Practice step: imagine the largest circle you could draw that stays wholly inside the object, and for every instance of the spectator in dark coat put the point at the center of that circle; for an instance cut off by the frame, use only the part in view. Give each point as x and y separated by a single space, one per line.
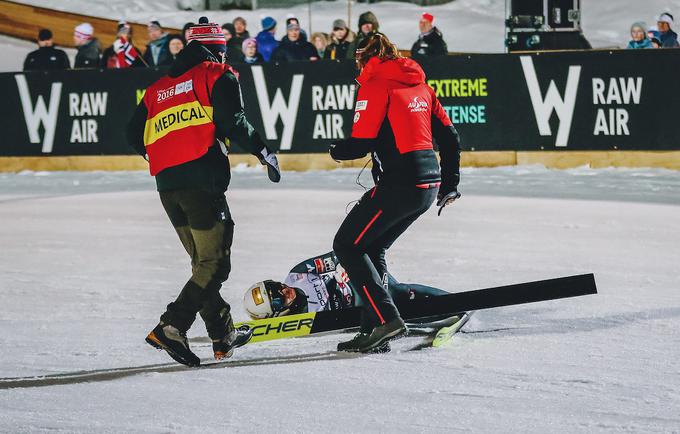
250 54
669 39
185 32
266 41
430 43
175 45
368 25
292 19
122 53
341 38
88 47
46 57
240 25
157 53
234 44
320 42
293 47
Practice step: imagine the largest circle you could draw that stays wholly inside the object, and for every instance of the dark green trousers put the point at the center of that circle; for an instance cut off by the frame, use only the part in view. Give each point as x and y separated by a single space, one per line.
205 227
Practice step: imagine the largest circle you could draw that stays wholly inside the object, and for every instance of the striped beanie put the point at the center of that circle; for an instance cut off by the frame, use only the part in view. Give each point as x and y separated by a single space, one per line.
208 34
84 31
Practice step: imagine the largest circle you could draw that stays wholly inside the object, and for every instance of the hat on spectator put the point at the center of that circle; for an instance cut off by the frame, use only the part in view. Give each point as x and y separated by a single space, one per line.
293 25
369 18
84 31
248 42
44 35
427 17
230 28
123 27
639 25
665 18
209 35
268 23
154 24
339 24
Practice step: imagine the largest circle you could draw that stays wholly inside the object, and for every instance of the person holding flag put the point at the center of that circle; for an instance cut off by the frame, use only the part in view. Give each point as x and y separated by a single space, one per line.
122 53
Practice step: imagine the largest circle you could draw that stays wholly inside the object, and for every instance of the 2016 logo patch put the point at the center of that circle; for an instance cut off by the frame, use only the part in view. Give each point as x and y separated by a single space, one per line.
361 105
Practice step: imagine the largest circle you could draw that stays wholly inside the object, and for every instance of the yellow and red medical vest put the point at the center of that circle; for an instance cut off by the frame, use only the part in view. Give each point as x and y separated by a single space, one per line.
179 125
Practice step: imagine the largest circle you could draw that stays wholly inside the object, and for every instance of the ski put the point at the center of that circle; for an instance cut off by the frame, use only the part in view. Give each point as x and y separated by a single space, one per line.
445 334
340 320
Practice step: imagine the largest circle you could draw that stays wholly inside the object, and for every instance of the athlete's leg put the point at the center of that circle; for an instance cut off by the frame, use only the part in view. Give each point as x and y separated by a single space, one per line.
372 226
411 291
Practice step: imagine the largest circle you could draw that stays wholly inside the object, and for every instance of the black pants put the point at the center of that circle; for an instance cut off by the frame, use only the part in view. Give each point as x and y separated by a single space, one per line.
205 228
370 228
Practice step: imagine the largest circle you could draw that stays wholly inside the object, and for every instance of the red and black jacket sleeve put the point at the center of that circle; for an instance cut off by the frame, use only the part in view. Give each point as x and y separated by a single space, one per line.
446 137
369 114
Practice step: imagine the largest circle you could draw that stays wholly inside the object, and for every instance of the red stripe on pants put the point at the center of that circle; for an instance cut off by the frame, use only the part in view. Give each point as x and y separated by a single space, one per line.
382 320
375 217
426 186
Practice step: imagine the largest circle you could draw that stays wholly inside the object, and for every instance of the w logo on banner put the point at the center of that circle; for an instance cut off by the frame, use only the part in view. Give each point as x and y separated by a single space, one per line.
40 113
543 108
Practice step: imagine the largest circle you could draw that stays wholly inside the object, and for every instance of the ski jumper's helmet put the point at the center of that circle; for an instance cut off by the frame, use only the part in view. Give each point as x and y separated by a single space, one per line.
265 300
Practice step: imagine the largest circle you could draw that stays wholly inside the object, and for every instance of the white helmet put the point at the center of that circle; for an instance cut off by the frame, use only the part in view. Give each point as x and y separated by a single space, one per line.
257 302
265 300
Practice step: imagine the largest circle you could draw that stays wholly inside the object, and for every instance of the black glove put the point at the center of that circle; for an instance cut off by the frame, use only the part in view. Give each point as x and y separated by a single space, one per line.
268 158
446 196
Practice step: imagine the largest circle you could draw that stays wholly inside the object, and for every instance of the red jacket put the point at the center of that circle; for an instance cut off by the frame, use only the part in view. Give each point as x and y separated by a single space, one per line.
394 118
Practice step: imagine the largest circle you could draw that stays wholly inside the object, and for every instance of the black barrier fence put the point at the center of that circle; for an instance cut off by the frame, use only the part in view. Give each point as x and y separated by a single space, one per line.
588 100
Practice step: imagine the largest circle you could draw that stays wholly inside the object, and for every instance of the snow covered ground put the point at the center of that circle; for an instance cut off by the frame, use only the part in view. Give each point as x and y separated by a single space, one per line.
468 25
88 261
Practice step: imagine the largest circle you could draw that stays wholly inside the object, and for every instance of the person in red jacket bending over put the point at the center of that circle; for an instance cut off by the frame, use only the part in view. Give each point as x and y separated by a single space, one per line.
397 117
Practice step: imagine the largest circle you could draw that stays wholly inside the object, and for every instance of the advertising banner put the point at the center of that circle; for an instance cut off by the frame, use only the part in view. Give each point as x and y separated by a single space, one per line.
582 100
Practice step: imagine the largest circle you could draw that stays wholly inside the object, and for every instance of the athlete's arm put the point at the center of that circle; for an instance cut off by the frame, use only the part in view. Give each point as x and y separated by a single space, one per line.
135 129
369 114
448 140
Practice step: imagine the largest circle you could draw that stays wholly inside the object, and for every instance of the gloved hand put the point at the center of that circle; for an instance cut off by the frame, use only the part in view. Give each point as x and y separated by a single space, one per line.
268 158
445 197
340 274
119 45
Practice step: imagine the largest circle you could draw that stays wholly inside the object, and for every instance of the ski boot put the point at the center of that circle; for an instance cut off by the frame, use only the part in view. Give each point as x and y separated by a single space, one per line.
174 342
357 341
381 335
224 348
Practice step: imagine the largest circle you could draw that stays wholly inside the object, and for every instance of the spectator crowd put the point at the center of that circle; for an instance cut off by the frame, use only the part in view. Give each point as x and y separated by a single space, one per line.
339 43
659 36
296 45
